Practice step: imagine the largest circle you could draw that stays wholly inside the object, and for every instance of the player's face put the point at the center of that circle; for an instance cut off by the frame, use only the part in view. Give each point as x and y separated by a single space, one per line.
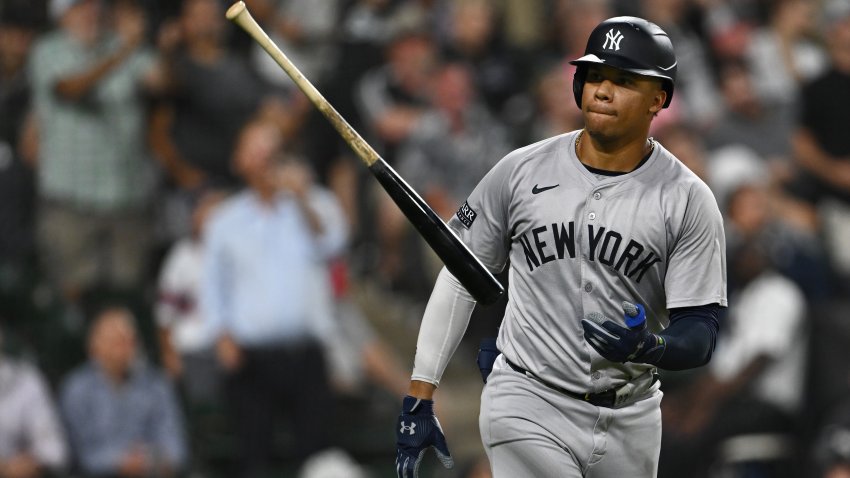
617 103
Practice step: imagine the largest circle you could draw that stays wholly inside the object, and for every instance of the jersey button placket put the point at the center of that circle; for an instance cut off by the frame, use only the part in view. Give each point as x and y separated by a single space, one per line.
586 268
597 196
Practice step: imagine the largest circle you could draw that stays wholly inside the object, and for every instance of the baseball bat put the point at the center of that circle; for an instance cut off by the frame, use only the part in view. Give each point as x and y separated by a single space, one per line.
459 260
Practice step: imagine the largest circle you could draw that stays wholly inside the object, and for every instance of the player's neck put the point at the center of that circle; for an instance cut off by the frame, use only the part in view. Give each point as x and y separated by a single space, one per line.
620 155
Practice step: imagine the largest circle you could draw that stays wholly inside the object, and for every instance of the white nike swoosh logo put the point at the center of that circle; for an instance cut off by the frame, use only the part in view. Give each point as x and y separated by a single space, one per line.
669 67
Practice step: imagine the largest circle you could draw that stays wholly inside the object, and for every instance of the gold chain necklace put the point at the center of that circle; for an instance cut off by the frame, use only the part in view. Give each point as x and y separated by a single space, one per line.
578 141
581 133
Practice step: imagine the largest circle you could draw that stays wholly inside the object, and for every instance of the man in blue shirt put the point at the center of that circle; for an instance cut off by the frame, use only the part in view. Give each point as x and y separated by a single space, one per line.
267 297
123 418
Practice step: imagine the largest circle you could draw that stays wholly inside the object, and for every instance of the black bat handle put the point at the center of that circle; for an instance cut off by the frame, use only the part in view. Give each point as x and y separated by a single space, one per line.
459 260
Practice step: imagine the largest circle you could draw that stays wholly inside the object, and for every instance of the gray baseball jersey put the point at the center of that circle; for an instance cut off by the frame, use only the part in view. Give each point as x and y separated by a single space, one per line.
581 243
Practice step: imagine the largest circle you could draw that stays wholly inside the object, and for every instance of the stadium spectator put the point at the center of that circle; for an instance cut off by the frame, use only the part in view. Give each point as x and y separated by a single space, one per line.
18 26
267 297
122 415
780 54
365 29
304 29
474 38
211 93
393 97
821 143
728 25
180 324
94 177
391 100
32 441
186 349
748 120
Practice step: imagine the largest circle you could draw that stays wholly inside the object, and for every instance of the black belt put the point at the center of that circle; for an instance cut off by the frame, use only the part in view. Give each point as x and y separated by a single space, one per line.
602 399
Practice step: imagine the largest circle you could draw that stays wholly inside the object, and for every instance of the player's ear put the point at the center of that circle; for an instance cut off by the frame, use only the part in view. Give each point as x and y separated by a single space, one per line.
658 100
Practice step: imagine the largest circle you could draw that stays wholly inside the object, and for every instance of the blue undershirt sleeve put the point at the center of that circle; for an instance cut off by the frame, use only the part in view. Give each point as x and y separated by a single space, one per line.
690 337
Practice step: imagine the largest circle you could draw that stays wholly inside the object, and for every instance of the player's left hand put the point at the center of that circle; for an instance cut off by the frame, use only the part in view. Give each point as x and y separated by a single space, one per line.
616 343
416 431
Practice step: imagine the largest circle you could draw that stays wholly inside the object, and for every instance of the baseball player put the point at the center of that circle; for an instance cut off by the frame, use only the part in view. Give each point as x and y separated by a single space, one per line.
617 268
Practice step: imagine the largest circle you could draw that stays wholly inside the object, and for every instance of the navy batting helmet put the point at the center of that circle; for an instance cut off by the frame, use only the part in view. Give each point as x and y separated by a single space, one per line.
631 44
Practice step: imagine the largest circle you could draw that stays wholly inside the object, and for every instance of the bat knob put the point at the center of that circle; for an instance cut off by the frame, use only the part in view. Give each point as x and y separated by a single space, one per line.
235 10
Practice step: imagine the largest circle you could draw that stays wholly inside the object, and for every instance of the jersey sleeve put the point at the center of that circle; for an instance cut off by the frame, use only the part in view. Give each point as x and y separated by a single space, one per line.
481 222
696 269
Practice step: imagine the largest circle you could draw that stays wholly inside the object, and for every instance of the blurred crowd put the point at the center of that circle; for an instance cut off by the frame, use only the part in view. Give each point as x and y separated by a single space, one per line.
199 278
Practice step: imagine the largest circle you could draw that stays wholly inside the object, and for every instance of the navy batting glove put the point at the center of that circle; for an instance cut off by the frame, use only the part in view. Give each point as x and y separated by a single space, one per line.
616 343
418 429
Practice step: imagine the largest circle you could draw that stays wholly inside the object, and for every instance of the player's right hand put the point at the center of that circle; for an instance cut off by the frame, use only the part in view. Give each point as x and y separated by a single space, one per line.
634 343
417 430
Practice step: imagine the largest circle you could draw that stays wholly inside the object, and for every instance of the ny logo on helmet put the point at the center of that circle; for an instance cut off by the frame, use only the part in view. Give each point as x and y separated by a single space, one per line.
612 40
408 428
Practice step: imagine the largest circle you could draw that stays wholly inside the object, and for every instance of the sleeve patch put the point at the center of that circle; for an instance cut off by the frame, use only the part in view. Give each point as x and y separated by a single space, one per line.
466 215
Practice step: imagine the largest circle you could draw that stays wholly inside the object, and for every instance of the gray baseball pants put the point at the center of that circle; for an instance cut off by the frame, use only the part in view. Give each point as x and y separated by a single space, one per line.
531 430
